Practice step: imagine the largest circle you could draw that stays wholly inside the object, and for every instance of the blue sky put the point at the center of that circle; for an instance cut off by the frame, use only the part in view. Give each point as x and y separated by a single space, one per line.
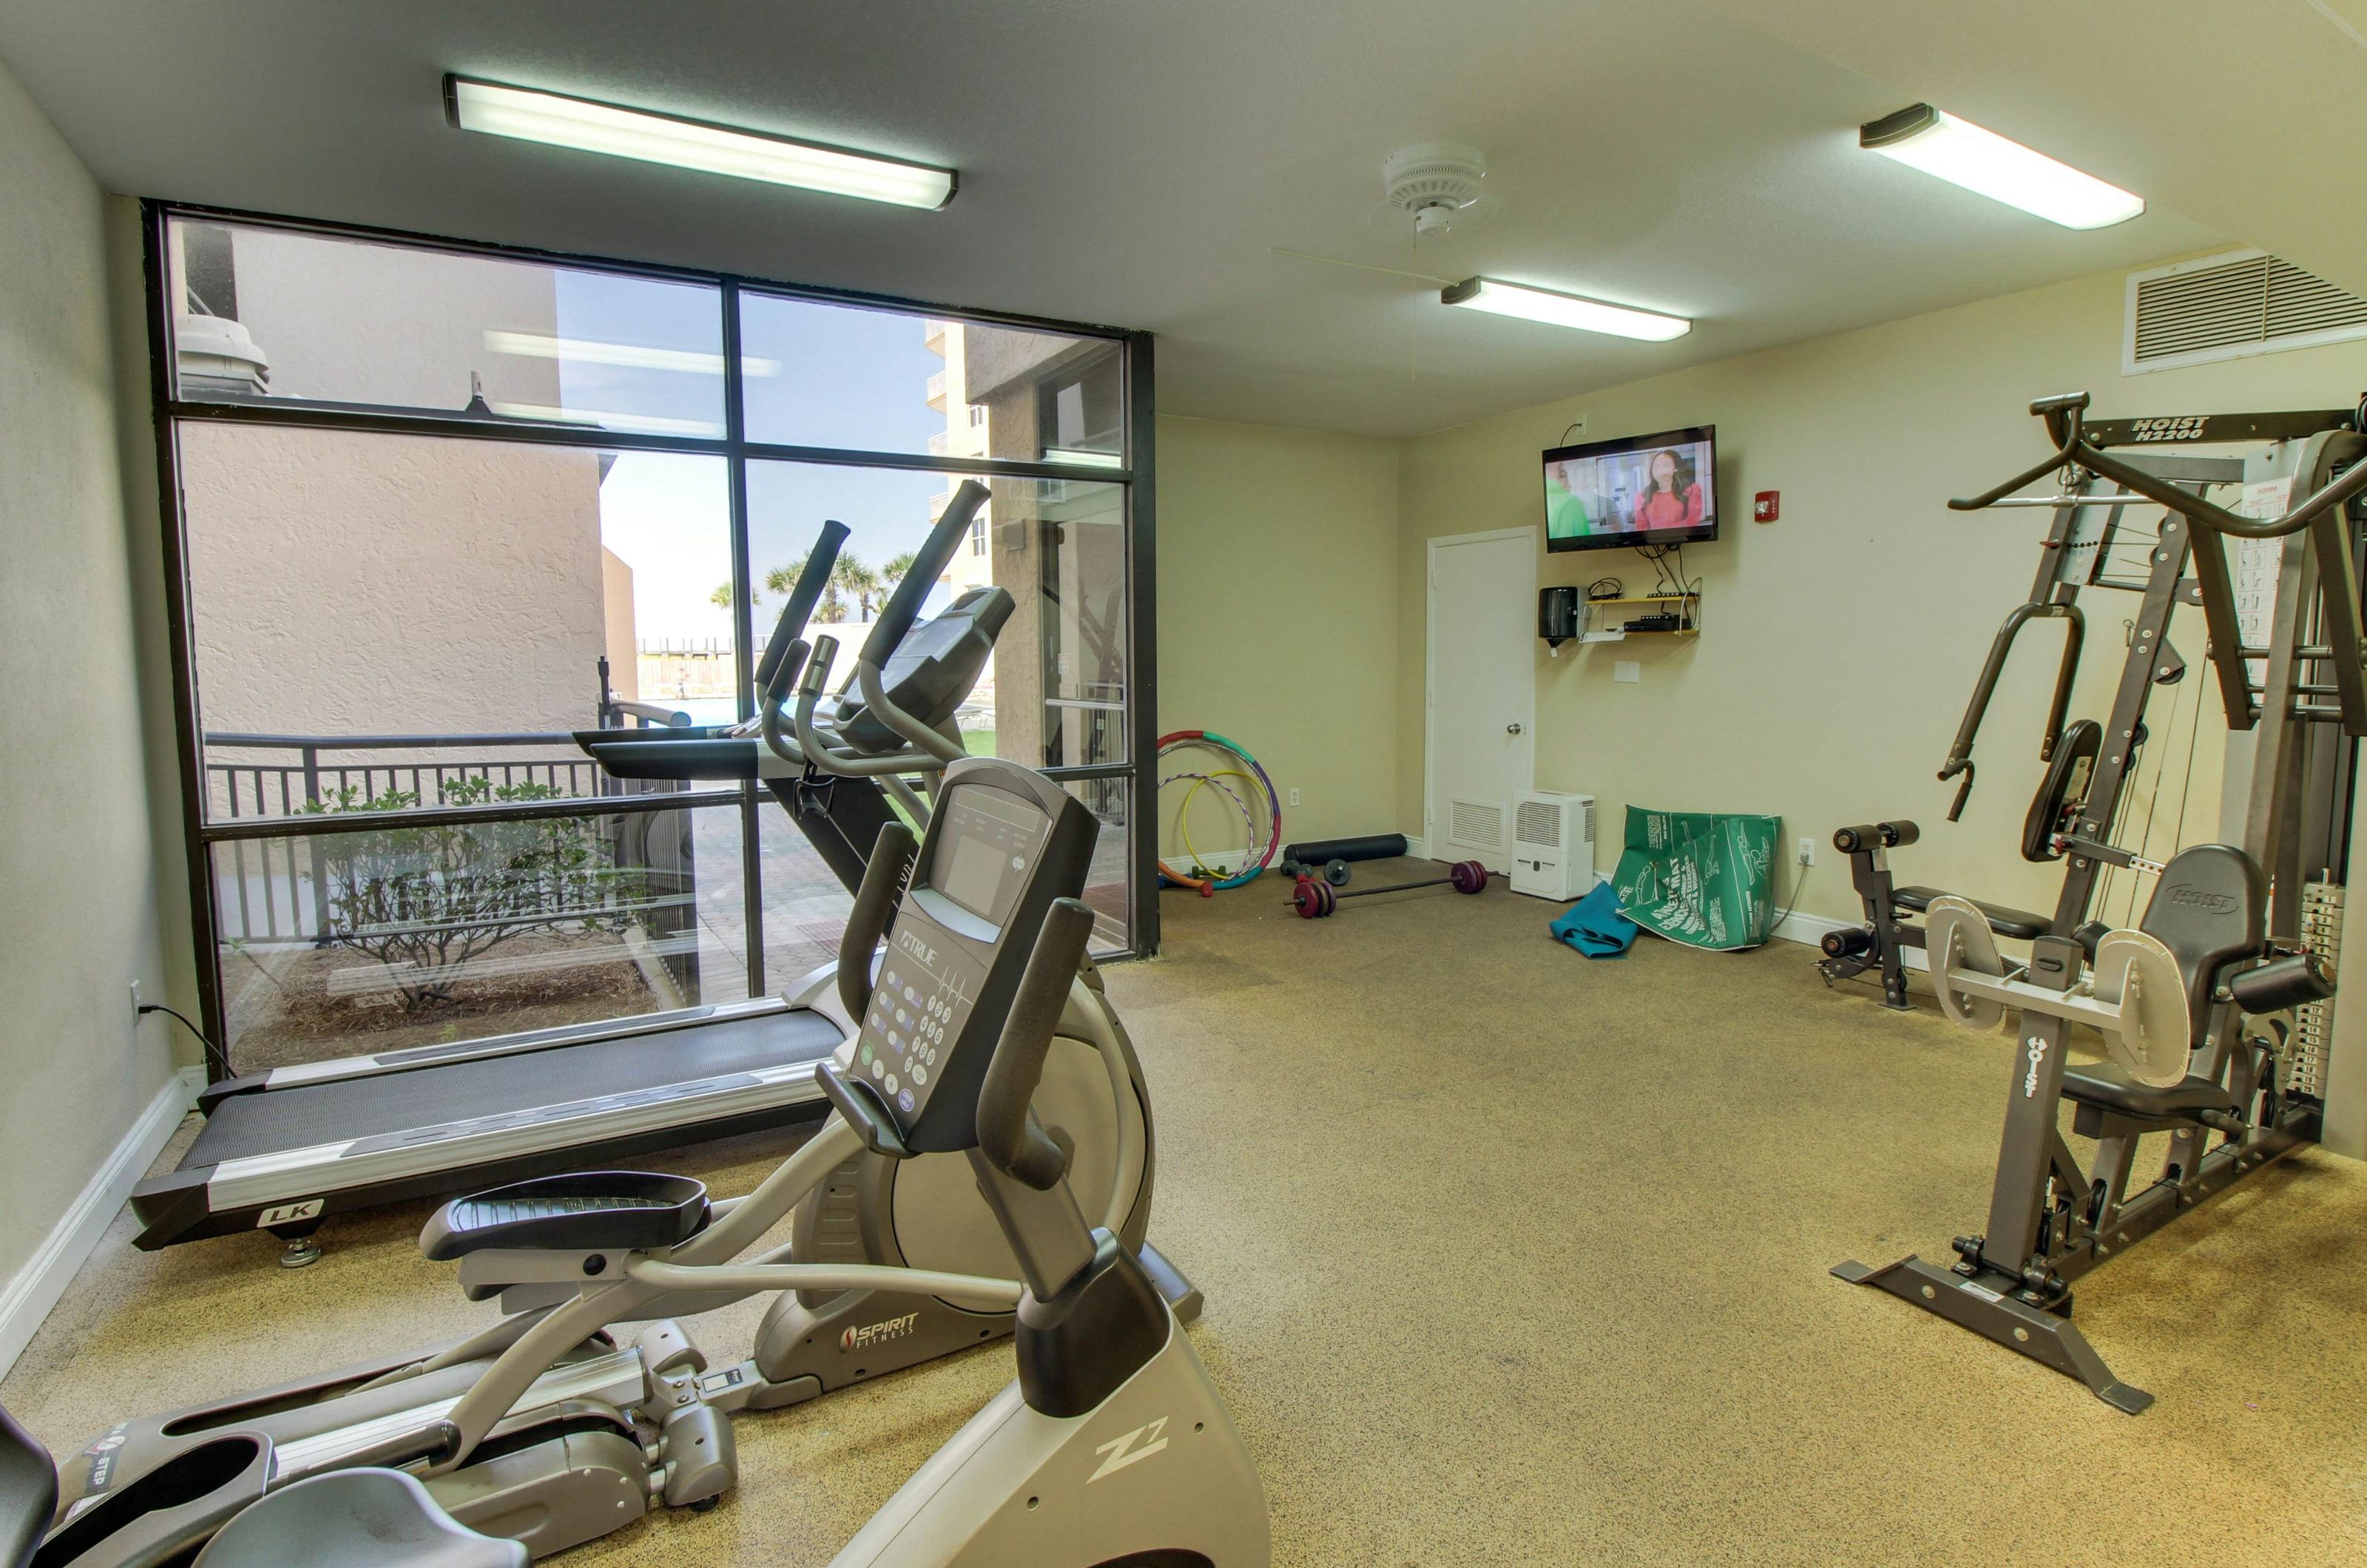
817 375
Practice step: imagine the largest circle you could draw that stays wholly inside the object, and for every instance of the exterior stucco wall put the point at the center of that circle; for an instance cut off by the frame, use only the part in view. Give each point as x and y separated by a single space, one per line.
349 583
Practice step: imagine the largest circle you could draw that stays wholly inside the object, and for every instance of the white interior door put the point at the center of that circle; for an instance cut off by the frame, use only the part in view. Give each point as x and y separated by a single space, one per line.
1483 691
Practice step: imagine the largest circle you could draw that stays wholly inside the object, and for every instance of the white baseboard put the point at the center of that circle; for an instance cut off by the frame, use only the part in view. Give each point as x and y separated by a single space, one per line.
26 1299
1417 849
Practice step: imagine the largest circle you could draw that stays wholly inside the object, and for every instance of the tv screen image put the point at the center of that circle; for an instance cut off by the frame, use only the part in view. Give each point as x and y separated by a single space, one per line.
1643 490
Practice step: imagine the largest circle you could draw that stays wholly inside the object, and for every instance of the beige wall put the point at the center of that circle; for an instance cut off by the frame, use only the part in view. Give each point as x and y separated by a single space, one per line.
1839 643
144 532
79 924
1279 614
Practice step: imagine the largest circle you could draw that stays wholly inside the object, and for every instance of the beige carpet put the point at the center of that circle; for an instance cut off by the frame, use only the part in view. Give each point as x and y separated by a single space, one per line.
1512 1258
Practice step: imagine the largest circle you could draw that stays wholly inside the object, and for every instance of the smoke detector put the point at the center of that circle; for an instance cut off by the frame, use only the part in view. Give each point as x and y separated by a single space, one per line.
1433 182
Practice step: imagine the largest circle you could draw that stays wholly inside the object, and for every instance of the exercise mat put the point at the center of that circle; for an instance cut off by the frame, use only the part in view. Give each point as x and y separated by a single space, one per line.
1594 925
1703 878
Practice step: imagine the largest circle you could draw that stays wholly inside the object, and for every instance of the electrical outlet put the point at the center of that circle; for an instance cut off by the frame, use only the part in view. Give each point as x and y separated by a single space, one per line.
1807 852
135 1001
1628 671
1294 798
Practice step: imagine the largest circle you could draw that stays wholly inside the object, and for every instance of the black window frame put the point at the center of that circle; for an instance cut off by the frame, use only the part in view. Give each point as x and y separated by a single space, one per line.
1134 473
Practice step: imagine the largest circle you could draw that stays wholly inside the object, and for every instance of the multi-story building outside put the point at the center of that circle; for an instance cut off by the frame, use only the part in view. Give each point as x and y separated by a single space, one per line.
965 435
1059 687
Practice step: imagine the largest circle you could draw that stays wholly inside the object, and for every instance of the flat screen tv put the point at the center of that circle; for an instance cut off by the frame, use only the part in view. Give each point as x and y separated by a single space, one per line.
1642 491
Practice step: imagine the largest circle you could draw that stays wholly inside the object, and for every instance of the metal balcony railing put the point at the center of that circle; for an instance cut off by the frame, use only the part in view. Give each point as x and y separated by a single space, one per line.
272 887
306 781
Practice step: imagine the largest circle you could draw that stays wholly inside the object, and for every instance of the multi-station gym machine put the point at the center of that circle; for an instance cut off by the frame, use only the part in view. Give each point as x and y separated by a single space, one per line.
2215 1006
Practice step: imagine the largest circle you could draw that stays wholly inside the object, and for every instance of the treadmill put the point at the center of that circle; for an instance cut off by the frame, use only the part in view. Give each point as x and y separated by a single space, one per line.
282 1151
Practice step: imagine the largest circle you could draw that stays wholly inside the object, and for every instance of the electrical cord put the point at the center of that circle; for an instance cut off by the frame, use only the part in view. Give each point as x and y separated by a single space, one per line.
1581 424
1605 588
1800 882
211 1049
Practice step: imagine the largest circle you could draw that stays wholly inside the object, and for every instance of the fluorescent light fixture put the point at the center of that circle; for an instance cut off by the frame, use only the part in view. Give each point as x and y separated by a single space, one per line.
632 356
563 121
1500 298
1987 163
1084 458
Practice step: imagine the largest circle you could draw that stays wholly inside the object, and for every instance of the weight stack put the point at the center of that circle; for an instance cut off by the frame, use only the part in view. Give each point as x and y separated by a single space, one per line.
2321 933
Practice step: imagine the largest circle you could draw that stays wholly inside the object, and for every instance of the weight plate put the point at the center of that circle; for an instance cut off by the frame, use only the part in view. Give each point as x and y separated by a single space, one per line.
1957 938
2156 1030
1336 873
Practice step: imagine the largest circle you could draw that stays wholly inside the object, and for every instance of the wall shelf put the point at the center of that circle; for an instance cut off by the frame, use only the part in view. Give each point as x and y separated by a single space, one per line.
1594 614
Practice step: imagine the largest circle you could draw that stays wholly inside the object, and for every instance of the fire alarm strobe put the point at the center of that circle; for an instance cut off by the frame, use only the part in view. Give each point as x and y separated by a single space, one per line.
1766 506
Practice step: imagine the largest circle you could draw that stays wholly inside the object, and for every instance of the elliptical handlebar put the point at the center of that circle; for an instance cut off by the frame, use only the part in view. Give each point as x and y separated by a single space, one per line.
809 669
1007 1134
811 583
2065 415
903 607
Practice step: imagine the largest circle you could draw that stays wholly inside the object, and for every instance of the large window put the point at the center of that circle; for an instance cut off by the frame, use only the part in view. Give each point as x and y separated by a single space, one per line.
440 508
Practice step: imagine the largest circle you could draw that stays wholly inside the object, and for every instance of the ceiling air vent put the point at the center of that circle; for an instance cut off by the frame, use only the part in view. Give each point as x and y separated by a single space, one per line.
2230 306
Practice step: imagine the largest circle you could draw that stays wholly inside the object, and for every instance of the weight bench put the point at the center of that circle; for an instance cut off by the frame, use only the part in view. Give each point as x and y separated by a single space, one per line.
1882 941
2004 919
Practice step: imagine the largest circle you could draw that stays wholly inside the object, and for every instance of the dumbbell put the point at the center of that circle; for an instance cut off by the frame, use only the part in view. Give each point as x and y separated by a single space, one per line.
1335 871
1315 899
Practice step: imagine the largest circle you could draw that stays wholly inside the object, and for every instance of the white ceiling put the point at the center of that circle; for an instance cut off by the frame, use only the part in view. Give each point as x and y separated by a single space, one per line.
1138 164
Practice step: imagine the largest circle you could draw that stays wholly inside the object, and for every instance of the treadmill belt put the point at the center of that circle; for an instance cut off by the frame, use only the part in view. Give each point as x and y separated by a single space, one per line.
266 1123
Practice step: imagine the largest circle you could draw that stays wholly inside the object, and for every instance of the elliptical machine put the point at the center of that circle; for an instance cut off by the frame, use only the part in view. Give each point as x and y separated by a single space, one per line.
842 777
1111 1447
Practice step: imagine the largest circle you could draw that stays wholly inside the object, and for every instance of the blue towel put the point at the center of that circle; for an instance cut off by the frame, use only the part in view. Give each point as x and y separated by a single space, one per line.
1594 925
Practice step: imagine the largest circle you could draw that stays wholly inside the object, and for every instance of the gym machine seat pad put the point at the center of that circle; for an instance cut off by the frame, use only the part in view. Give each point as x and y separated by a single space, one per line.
2020 924
2107 1087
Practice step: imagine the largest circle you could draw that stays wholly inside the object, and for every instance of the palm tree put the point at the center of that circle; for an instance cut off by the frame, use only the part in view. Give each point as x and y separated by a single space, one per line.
721 597
898 569
850 577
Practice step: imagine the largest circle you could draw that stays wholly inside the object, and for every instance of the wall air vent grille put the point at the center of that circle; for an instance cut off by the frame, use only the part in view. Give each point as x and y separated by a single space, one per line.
2228 307
1476 825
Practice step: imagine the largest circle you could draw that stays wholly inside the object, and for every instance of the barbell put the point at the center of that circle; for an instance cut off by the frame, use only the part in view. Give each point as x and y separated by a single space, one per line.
1314 899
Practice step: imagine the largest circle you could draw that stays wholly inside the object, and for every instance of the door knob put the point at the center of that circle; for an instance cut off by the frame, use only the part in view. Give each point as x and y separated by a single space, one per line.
1512 729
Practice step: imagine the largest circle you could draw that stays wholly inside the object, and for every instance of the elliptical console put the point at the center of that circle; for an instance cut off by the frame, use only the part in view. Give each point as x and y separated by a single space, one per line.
1006 844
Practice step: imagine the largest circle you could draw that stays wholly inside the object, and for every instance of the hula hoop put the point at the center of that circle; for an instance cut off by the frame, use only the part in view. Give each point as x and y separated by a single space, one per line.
1183 812
1249 820
1249 873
